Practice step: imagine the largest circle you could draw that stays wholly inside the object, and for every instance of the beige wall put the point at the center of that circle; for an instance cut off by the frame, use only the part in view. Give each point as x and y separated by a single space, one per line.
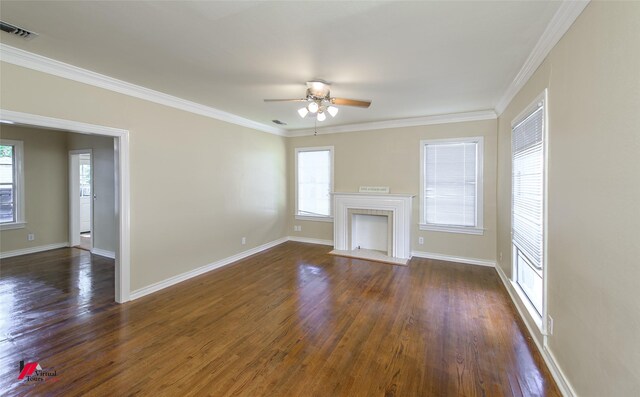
593 77
45 188
198 185
391 158
105 230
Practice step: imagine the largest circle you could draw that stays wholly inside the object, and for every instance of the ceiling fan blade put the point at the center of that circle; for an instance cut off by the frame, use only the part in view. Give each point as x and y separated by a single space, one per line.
286 100
350 102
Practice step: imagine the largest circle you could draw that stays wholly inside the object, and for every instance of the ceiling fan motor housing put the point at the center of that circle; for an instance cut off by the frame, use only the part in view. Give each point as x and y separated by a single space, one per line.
318 89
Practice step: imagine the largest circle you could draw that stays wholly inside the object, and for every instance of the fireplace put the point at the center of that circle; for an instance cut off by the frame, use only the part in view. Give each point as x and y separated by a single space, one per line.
373 226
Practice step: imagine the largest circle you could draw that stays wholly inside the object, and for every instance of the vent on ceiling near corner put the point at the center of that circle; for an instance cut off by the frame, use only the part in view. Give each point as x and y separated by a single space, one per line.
9 28
279 122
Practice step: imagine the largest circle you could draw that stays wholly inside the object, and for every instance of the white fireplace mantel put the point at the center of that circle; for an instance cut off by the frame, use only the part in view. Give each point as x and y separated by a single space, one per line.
398 204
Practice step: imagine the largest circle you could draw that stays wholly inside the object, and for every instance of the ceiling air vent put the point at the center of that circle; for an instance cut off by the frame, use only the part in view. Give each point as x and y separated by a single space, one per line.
9 28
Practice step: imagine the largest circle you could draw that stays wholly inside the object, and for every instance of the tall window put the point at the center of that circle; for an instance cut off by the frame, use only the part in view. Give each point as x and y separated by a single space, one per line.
528 134
11 184
451 185
314 182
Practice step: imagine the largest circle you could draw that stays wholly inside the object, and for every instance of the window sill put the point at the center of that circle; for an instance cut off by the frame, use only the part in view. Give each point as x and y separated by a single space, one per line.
533 313
314 218
13 225
452 229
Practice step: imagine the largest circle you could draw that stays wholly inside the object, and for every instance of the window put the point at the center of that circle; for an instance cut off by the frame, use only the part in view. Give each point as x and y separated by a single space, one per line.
314 183
11 185
528 181
451 185
85 175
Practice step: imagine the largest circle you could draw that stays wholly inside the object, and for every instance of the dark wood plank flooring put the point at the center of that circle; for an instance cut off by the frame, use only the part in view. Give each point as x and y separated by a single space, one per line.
291 321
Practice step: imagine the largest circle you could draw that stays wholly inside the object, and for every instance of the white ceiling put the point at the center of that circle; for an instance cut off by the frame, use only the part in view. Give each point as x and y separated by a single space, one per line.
411 59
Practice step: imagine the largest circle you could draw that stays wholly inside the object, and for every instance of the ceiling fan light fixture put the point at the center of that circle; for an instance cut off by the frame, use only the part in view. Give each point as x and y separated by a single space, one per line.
303 112
313 107
318 101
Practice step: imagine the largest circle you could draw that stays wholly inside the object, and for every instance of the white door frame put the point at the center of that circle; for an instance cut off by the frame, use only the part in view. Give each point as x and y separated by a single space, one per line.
121 169
74 194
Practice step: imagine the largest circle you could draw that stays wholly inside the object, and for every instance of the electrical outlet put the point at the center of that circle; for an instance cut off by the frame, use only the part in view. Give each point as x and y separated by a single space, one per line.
420 240
549 325
500 256
297 228
31 237
244 240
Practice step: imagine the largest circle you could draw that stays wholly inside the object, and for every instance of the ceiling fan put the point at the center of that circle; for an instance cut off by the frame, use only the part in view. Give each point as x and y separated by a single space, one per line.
320 102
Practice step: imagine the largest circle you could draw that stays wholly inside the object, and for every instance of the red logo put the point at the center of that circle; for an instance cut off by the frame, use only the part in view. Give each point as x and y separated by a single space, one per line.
28 369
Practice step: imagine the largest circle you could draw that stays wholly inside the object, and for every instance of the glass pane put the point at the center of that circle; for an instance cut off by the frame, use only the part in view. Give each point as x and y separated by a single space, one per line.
314 183
6 164
529 280
7 212
85 180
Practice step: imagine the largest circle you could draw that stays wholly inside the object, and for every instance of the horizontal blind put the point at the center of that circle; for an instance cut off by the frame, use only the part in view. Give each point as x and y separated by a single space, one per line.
450 184
314 183
527 185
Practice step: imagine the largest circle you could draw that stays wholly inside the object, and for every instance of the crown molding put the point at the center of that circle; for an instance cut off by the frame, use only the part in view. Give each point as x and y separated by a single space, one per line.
567 13
398 123
33 61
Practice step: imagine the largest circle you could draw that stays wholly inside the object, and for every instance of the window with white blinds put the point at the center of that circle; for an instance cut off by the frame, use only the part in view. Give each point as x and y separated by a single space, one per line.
451 193
528 202
314 182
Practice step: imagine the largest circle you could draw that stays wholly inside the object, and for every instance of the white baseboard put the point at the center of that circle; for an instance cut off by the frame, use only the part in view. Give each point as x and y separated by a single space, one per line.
450 258
105 253
310 240
32 250
204 269
547 355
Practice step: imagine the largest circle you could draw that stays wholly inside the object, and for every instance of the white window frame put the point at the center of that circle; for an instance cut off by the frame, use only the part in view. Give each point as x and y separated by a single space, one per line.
533 312
309 217
478 229
18 175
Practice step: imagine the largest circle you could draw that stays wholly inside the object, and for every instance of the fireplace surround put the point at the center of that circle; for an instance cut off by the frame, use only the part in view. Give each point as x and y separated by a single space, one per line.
397 209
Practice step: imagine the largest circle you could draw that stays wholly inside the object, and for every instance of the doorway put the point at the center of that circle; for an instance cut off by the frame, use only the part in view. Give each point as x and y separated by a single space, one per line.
121 183
81 199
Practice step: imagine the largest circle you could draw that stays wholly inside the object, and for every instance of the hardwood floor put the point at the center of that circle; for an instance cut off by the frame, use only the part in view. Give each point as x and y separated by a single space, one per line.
291 321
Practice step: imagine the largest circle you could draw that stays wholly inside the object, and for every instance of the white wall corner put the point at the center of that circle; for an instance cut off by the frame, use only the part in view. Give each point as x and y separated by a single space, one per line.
547 355
566 15
457 259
